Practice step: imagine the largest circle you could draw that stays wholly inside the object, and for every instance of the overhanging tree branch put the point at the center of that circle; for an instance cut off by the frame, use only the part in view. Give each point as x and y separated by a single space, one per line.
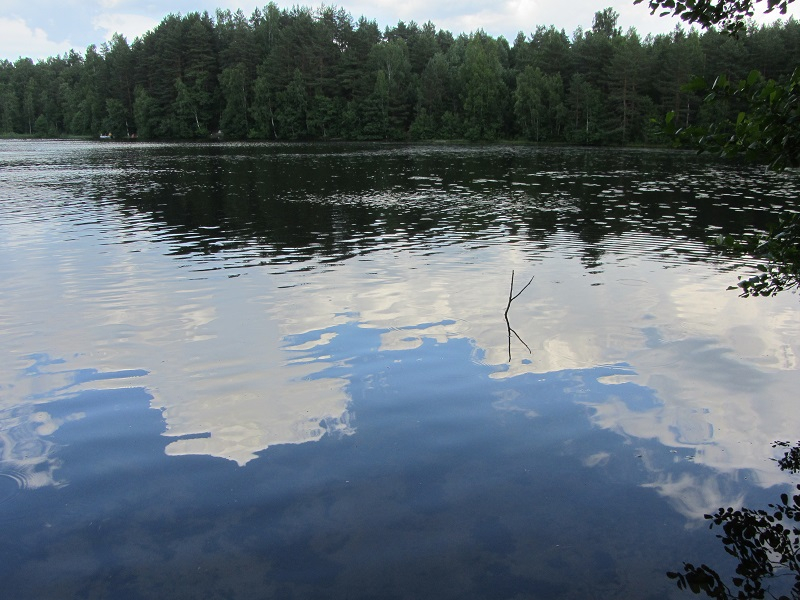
730 15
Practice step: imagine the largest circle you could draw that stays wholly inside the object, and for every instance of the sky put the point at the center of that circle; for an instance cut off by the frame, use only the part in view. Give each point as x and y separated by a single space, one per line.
42 28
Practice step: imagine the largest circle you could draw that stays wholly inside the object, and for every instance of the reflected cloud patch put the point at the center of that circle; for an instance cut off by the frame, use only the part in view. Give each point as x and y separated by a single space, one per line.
599 458
694 495
296 401
28 419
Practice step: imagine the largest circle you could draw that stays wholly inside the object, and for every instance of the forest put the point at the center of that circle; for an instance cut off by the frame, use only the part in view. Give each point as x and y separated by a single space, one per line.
315 74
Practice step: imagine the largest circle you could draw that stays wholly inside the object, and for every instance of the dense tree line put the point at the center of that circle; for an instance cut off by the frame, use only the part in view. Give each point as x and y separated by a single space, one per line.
305 73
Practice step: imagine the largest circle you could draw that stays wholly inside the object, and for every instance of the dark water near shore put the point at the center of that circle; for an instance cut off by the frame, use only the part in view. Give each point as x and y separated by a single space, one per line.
283 371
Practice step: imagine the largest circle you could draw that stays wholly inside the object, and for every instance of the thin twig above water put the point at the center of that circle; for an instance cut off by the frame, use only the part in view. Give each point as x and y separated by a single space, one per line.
511 298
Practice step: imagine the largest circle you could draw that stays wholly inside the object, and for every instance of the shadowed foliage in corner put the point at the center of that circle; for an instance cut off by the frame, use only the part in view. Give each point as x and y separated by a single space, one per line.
730 15
765 542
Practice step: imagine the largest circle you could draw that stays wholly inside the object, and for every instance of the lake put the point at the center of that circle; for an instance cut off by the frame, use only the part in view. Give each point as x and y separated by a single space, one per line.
285 371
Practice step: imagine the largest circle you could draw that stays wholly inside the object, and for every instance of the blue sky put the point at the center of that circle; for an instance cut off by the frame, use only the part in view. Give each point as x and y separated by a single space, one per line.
42 28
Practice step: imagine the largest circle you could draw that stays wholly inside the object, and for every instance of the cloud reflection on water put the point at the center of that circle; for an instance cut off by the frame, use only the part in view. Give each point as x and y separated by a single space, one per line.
27 453
722 368
240 365
237 365
219 368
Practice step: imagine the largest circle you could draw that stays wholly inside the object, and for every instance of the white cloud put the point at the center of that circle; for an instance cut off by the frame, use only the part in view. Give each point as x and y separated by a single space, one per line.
29 28
508 17
129 25
17 39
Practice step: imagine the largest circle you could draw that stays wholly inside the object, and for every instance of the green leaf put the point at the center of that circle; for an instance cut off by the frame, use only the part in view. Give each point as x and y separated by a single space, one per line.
697 84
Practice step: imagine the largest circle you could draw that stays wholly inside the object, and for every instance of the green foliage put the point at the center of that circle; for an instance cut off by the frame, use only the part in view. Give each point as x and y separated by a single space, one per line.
293 108
191 114
730 14
116 121
322 119
753 117
375 110
234 87
263 106
484 89
144 111
765 127
9 109
605 23
539 105
41 128
435 86
528 105
780 251
423 127
390 103
585 107
452 128
305 73
624 78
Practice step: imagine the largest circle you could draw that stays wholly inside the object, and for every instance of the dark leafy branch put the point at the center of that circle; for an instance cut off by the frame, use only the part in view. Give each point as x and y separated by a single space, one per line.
766 125
766 543
760 121
731 15
759 115
791 459
780 249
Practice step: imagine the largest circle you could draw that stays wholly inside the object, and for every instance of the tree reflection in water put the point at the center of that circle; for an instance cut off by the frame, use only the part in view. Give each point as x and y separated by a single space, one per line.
765 542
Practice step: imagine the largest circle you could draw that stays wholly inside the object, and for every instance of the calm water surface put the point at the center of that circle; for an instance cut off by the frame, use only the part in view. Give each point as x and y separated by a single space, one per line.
279 371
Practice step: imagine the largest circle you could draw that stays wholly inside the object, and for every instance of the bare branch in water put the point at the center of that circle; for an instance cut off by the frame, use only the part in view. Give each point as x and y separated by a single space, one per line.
511 298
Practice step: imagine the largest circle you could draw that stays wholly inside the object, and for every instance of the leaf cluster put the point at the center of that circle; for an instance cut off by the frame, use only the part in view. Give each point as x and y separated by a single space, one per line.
730 15
791 459
765 542
780 250
766 128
